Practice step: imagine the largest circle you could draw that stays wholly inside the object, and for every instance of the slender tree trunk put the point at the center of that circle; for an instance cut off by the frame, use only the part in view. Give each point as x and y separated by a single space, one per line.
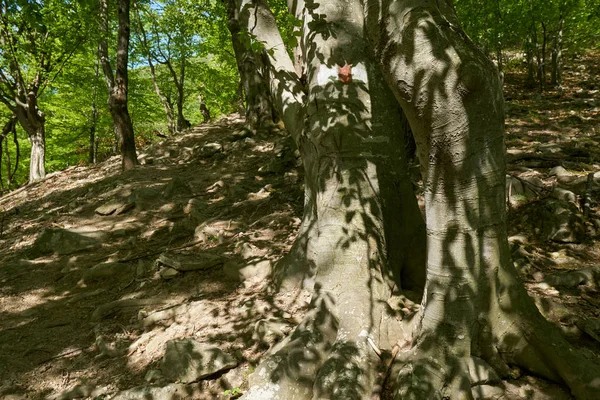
182 123
543 57
557 56
530 83
117 84
33 122
93 120
163 100
37 139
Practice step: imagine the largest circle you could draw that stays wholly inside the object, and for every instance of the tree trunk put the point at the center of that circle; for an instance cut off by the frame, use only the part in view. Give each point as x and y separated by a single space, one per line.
37 138
182 123
163 100
117 84
557 56
259 107
33 121
361 244
93 121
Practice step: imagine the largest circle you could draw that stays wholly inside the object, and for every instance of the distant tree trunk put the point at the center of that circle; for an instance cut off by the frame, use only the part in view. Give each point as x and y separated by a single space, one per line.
543 57
93 121
557 56
117 84
8 128
182 123
163 100
530 82
252 70
33 121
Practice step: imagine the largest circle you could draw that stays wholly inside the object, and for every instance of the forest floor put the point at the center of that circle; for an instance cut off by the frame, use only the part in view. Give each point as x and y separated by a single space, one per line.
99 269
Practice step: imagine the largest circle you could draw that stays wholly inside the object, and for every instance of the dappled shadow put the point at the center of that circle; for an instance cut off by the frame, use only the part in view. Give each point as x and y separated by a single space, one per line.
61 327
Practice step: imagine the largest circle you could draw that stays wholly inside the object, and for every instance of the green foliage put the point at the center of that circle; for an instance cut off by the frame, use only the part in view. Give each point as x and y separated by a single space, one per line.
64 35
502 24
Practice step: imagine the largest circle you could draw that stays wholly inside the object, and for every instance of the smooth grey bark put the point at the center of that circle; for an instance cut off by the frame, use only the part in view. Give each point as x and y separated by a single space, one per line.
474 303
350 249
356 184
117 83
252 71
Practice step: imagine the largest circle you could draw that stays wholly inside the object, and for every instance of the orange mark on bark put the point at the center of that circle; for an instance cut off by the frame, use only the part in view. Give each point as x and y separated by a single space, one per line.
345 73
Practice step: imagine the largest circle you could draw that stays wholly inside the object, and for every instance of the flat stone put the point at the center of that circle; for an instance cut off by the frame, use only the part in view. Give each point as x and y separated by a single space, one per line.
168 273
114 208
187 361
154 392
190 262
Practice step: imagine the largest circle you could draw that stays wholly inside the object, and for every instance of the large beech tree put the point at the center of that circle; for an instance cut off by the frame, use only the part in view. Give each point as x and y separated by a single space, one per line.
363 247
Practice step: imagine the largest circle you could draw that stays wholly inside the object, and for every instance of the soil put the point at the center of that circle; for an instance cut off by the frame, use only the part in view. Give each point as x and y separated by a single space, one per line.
223 190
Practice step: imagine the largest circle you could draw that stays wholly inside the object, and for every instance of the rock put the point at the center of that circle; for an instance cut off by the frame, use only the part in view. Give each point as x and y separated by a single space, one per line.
62 242
251 273
559 171
154 392
177 187
559 221
168 273
187 360
587 276
190 262
105 270
564 194
114 208
233 378
241 134
210 149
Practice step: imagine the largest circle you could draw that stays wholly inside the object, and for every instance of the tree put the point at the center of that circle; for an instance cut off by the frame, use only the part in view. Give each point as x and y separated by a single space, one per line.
251 68
117 83
37 40
363 247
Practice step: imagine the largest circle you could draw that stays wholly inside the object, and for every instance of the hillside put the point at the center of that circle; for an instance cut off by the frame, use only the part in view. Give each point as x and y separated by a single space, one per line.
99 269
